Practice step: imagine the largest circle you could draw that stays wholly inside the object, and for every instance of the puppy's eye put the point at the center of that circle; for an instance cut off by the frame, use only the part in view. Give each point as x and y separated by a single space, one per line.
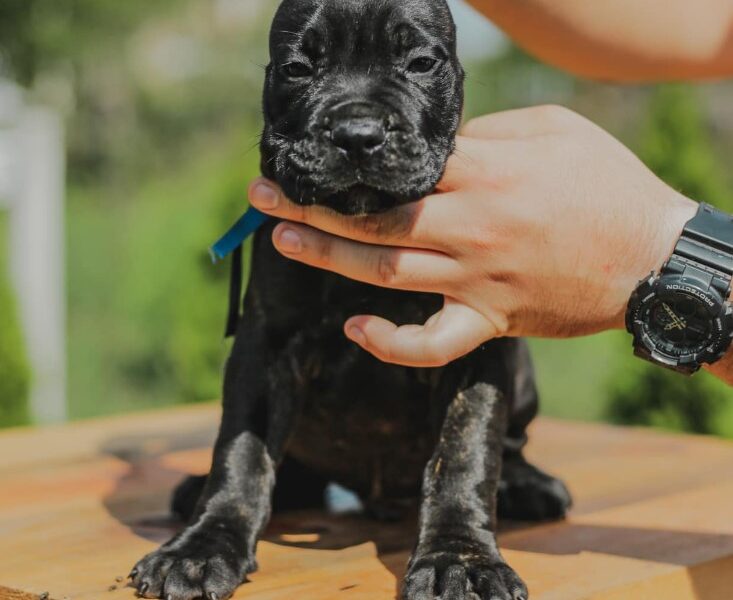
297 70
423 64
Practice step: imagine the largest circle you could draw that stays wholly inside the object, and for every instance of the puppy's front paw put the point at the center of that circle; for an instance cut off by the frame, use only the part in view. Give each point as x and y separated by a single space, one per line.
450 576
194 564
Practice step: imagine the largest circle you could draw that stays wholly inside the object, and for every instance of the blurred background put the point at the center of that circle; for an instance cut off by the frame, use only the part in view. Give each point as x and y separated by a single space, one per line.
128 133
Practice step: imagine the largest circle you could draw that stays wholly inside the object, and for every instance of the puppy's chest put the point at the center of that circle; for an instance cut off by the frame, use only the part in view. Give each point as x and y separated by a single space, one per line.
344 390
358 413
335 377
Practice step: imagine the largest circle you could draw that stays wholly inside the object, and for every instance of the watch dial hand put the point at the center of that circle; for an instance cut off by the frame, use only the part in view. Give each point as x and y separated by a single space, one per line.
677 322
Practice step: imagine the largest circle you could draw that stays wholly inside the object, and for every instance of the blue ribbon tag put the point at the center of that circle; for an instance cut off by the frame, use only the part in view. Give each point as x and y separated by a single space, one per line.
247 224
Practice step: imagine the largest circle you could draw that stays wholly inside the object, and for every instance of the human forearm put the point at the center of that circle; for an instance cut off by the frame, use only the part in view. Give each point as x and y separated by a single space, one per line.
622 40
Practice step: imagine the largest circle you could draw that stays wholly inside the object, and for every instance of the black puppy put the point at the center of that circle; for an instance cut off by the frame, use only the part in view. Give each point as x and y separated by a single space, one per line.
362 102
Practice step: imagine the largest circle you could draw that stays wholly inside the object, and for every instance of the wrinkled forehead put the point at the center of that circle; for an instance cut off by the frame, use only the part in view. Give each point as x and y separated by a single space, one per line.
360 26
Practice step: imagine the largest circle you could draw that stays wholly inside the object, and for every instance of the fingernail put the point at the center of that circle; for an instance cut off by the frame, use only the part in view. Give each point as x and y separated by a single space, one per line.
264 196
356 334
289 241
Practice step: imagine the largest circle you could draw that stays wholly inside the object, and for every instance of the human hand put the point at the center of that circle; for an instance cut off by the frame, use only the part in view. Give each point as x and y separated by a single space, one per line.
542 225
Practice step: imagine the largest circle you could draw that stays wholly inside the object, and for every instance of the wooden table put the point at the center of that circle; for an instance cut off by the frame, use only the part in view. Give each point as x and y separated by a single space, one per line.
79 504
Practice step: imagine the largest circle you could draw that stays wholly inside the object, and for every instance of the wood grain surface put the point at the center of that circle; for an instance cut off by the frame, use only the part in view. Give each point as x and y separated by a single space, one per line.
80 503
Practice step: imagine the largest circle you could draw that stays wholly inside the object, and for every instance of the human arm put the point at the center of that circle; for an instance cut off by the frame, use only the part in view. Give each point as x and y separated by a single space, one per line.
542 226
622 40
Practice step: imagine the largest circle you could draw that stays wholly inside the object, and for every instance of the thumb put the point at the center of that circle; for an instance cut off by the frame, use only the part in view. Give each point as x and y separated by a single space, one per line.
449 334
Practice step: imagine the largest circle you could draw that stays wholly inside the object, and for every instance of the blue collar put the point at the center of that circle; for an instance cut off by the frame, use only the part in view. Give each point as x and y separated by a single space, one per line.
247 224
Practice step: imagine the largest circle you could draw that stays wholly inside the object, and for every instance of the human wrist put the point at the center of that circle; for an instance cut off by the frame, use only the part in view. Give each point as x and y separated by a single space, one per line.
690 294
665 220
671 216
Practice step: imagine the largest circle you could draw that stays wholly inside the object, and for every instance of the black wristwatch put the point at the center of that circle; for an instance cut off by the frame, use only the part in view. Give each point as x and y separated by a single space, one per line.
680 318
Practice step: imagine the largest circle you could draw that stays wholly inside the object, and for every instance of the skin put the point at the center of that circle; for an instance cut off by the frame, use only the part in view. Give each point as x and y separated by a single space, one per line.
622 40
550 239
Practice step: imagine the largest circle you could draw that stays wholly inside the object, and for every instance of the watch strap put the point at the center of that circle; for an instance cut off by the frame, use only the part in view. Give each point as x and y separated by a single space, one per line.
703 256
711 227
704 251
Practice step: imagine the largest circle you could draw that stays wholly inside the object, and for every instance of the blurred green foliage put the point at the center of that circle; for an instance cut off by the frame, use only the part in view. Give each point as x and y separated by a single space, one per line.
157 166
147 306
44 35
14 374
646 395
676 144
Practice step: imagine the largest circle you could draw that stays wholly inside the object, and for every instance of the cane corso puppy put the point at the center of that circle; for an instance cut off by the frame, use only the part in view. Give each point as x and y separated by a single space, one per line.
362 102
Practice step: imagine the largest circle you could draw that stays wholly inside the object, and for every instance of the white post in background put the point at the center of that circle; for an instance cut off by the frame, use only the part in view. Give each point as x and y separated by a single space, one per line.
36 203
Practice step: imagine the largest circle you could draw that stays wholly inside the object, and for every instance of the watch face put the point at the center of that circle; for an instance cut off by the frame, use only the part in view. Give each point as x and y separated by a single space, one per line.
679 324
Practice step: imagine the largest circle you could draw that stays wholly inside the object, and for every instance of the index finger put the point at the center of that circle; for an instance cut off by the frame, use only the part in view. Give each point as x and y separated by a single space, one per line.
415 225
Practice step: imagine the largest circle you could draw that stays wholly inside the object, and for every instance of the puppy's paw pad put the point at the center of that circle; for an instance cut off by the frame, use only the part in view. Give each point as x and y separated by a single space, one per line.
457 577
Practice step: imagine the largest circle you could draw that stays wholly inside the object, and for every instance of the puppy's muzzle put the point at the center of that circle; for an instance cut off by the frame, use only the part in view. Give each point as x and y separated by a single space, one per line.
357 129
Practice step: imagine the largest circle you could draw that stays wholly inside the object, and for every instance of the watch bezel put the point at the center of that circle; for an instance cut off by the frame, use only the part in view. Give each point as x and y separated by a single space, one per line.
650 289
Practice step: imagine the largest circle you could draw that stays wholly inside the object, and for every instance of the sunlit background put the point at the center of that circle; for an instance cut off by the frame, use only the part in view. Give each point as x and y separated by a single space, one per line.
128 132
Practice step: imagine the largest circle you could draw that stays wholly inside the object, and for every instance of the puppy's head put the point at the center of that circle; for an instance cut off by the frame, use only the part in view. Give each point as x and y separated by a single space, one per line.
362 101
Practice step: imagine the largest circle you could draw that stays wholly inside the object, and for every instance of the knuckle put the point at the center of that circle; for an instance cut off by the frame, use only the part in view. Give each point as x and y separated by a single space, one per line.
501 322
301 213
435 353
387 268
482 239
396 223
369 224
386 355
440 360
324 248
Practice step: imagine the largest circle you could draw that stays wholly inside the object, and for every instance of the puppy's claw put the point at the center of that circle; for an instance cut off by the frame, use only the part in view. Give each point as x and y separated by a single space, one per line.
169 597
212 596
133 574
143 588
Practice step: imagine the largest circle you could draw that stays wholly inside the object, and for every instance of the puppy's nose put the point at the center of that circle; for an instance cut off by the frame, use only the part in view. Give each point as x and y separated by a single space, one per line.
359 136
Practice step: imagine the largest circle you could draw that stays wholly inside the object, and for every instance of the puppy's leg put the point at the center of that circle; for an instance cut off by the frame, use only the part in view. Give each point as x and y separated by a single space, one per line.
213 555
456 553
526 493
